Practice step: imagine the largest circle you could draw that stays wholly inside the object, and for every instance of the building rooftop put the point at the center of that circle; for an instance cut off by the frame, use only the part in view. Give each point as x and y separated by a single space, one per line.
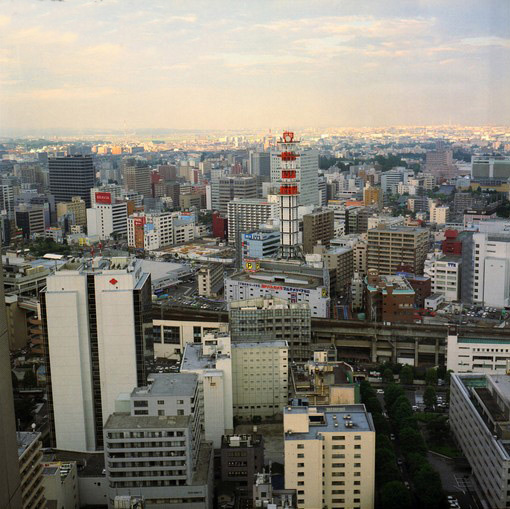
193 359
398 229
331 419
279 278
25 439
277 343
121 420
168 384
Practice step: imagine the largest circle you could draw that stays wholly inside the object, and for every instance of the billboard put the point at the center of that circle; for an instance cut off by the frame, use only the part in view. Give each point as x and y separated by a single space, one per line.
104 198
139 231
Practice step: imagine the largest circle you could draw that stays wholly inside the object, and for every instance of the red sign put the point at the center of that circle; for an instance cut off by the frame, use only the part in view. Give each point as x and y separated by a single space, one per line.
104 198
138 221
113 281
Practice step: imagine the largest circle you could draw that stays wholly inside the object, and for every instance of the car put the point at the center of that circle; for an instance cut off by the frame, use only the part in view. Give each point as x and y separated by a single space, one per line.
415 408
399 462
380 391
392 436
407 485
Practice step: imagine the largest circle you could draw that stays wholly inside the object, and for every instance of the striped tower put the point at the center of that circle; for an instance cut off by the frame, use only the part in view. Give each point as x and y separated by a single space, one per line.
289 192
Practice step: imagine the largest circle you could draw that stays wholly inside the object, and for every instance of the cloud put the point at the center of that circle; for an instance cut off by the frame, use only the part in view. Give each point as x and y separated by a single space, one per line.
483 42
102 51
39 36
68 92
4 20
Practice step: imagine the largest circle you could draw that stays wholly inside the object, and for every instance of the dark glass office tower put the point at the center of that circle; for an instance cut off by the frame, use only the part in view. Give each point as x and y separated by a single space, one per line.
71 176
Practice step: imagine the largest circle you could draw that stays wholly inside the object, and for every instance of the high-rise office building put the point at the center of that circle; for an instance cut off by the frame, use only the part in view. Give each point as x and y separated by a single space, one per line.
154 445
137 177
307 174
97 328
245 215
399 248
273 318
235 186
71 176
330 456
318 227
107 215
439 162
10 491
259 164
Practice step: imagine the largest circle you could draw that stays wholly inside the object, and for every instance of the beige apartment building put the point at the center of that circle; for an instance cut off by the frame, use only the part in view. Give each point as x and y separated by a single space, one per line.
210 280
318 227
330 456
77 207
398 248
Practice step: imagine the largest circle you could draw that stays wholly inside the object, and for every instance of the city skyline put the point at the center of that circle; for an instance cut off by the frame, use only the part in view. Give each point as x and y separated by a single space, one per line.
126 65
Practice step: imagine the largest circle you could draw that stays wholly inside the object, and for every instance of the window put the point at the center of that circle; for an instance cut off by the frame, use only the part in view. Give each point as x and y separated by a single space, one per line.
161 402
161 412
357 437
141 403
357 447
180 412
300 446
338 438
300 465
301 455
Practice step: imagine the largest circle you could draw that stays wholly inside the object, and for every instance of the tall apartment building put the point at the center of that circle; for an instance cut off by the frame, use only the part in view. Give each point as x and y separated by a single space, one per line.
10 490
97 326
372 196
390 249
491 278
31 470
307 175
439 162
439 214
29 219
330 456
245 215
234 186
154 445
318 227
71 176
479 410
210 280
137 177
260 371
340 262
211 361
76 210
7 200
273 318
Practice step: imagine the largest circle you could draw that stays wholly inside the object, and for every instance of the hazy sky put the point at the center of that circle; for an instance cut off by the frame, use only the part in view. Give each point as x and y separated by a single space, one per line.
255 64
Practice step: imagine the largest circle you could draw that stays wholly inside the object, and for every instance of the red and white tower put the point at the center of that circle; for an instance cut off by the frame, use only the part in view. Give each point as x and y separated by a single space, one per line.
289 192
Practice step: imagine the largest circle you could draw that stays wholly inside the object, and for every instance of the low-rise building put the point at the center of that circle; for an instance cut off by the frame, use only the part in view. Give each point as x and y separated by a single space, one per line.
260 244
330 456
210 280
242 457
60 482
389 298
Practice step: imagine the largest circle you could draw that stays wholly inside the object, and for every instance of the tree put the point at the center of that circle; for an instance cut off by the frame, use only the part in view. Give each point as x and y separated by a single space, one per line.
381 424
391 393
388 375
412 441
395 495
428 488
415 461
386 469
407 375
383 442
431 376
373 405
29 379
429 396
438 430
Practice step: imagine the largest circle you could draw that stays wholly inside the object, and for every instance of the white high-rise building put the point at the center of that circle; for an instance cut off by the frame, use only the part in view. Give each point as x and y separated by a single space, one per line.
150 231
307 174
211 361
246 215
98 333
108 215
491 279
444 272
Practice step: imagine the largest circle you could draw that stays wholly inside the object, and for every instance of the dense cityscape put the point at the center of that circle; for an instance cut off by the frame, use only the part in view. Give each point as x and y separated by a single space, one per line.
255 255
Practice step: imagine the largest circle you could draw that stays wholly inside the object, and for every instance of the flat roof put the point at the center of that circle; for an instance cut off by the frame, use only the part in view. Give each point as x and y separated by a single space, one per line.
168 384
127 421
357 414
193 358
25 439
278 343
293 279
160 270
